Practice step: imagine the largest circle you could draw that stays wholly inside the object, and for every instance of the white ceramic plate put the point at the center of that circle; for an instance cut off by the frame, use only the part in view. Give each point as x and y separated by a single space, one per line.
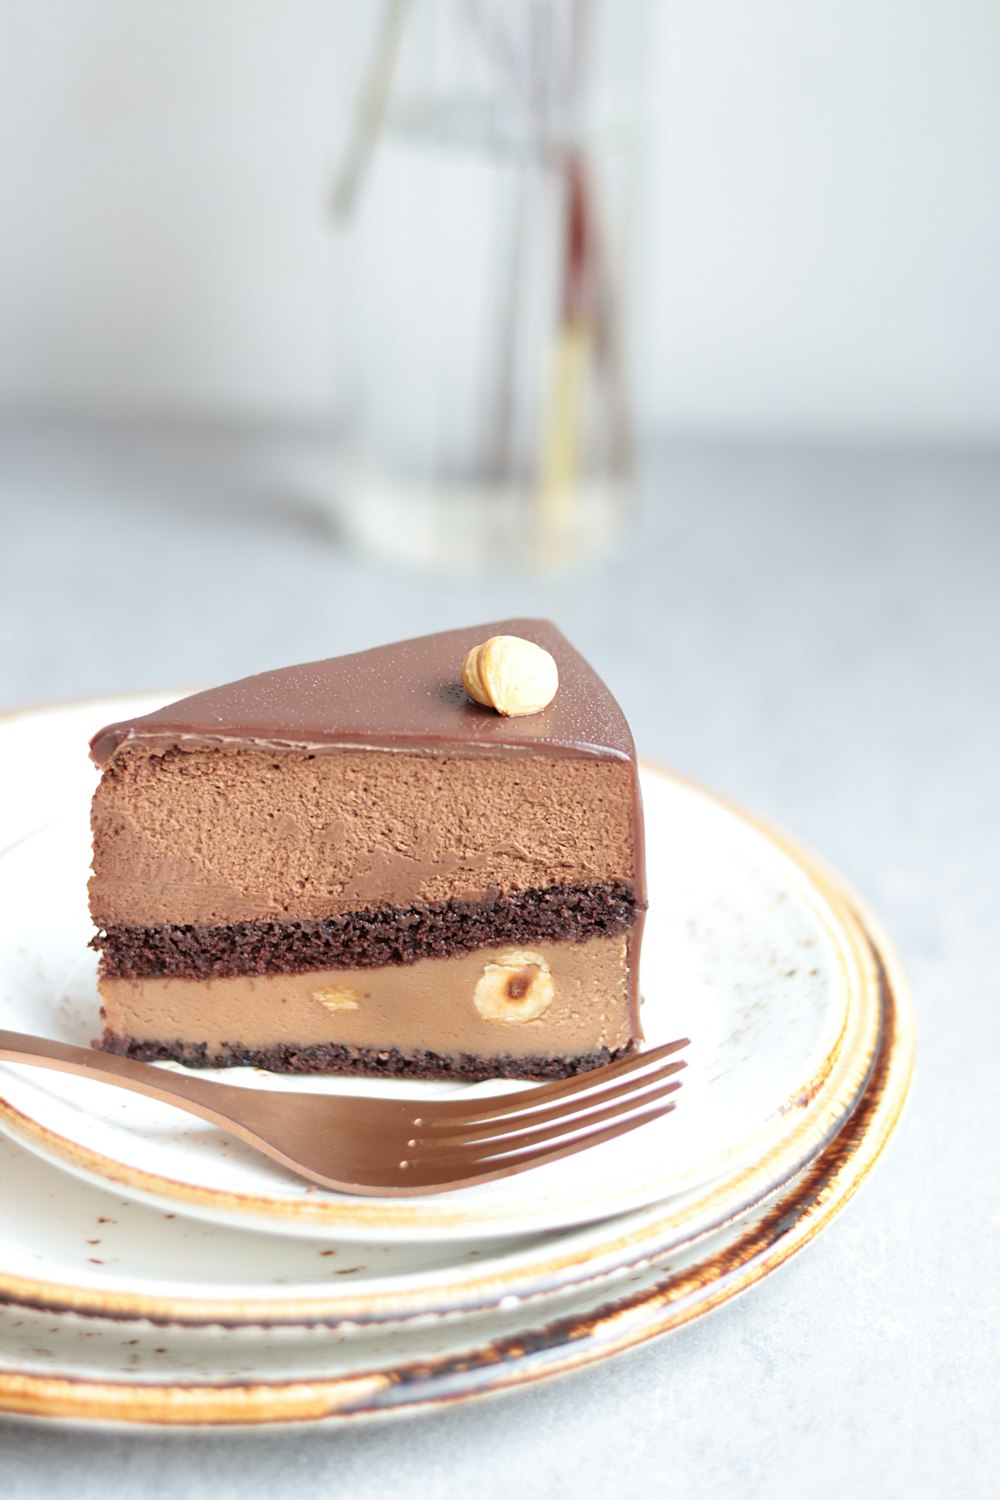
745 951
85 1371
66 1244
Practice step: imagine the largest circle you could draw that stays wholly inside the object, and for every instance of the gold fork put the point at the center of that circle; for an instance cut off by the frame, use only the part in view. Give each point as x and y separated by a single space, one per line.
396 1147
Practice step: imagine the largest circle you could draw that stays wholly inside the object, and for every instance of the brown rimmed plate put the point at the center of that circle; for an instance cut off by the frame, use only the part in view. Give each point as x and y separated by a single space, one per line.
105 1375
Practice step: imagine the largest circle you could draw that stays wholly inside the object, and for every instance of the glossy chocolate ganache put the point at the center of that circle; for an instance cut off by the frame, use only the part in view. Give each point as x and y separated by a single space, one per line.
362 816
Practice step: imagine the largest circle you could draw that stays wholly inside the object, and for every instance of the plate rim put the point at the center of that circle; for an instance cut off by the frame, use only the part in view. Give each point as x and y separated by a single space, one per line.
488 1286
819 1193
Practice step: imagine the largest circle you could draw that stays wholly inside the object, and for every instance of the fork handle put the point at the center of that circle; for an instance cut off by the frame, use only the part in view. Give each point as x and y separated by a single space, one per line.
200 1096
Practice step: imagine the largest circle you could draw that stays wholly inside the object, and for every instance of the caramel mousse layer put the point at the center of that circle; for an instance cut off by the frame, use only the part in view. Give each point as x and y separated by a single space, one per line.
524 1011
206 836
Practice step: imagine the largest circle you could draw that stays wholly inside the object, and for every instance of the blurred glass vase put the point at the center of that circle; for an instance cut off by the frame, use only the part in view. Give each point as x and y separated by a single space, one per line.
483 202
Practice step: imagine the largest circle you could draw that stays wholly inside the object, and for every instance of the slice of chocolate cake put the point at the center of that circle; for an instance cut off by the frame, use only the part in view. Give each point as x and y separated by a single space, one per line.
350 866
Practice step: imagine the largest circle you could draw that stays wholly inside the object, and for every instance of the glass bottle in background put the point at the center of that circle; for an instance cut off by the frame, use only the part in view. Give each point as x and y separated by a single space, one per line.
483 204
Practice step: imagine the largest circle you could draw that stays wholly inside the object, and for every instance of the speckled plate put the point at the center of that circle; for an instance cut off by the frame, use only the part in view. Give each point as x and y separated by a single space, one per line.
68 1245
65 1367
746 952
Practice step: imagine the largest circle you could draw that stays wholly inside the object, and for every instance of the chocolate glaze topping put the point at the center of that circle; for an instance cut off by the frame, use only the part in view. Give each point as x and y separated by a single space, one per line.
407 695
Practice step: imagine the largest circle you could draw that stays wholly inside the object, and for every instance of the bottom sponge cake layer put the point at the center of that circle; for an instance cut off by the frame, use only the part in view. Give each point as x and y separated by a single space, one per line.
541 1011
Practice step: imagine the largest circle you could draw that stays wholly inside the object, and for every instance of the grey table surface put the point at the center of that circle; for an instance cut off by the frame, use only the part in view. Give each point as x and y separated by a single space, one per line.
814 634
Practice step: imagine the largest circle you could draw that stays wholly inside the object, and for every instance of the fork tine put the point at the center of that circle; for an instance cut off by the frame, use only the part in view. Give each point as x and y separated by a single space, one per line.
425 1176
502 1105
498 1139
453 1130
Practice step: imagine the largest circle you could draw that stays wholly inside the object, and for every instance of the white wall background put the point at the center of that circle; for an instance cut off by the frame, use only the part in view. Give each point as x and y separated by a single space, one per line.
821 206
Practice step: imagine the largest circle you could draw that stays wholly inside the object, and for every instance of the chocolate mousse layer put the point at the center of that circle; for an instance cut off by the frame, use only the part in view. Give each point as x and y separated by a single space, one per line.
192 836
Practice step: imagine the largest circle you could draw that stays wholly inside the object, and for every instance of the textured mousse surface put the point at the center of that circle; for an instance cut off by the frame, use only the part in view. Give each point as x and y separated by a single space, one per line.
200 836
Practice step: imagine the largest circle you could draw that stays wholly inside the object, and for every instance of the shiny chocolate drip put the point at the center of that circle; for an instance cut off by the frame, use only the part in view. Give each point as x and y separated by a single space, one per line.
407 694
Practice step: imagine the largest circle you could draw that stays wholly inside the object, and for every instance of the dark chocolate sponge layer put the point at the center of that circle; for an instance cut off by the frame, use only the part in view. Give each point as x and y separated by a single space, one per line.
330 1057
367 939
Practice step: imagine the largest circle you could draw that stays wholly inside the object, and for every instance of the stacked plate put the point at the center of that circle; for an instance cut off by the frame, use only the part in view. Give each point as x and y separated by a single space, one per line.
154 1271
